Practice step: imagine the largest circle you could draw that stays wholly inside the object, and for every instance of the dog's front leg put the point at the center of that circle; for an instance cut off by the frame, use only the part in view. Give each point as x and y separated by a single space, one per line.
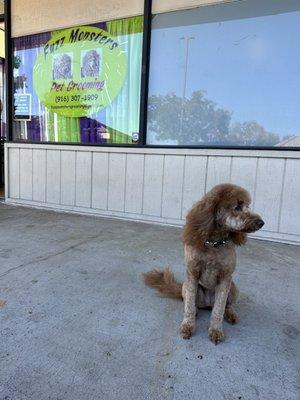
189 294
215 332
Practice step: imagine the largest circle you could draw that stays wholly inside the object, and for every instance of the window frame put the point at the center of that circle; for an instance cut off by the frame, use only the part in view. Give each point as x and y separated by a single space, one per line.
142 143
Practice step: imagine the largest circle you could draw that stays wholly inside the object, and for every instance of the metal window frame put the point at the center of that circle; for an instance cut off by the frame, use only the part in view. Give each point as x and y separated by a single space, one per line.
142 143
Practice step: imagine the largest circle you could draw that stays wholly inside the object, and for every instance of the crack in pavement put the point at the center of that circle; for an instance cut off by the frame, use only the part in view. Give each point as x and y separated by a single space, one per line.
45 258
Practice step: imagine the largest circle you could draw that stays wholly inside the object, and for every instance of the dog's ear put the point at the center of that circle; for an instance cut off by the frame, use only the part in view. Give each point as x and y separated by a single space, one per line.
205 213
239 238
200 221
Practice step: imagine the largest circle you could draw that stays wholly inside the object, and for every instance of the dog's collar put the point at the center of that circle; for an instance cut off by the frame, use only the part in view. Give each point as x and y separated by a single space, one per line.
216 243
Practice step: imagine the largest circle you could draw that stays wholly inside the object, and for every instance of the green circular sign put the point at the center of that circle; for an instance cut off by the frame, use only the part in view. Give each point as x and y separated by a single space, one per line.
79 71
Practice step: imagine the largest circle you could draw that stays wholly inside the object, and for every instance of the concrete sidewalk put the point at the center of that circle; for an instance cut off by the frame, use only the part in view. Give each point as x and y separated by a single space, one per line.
77 323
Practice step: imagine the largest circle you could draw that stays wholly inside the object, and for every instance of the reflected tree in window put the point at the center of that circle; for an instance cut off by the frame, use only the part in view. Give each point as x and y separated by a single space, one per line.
198 120
252 134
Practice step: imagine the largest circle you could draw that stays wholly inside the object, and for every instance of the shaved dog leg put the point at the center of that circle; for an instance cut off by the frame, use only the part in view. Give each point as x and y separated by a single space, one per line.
230 315
189 293
215 332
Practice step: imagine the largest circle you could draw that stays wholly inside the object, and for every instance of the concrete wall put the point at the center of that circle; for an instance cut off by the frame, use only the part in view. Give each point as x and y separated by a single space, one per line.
56 14
157 185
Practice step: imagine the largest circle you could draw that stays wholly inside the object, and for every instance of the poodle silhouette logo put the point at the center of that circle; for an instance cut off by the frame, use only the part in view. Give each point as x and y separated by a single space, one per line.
79 71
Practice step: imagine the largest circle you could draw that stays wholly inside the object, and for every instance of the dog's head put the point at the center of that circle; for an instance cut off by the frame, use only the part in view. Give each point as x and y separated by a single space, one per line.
225 208
232 210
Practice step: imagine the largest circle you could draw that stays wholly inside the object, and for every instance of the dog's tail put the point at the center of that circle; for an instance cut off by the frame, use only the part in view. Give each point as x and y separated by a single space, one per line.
164 282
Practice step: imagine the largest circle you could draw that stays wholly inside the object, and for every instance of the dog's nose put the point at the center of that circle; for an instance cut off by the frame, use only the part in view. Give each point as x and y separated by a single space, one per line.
259 223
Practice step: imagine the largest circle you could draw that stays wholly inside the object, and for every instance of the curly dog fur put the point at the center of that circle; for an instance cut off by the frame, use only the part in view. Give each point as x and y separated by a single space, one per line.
214 226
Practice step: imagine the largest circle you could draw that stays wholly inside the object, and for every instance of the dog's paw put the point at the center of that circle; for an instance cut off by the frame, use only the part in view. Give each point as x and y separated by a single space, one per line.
186 330
215 335
230 316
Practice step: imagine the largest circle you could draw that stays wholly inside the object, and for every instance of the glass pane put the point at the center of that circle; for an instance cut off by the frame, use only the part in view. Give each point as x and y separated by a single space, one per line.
79 85
226 75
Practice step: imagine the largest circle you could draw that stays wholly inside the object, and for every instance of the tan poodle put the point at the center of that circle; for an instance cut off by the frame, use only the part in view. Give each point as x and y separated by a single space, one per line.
214 226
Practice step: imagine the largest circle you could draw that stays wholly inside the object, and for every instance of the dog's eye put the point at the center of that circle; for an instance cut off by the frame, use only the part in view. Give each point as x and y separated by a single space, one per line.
238 207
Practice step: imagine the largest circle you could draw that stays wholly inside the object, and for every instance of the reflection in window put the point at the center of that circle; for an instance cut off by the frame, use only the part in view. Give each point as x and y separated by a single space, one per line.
226 75
77 90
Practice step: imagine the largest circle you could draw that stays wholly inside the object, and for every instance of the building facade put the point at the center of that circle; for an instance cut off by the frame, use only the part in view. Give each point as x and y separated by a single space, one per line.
135 110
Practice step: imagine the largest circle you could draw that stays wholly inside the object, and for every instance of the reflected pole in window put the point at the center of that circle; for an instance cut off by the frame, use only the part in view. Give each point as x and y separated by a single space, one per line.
187 40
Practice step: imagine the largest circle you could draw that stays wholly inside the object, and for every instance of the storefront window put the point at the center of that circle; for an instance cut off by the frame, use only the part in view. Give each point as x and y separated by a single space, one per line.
227 74
79 85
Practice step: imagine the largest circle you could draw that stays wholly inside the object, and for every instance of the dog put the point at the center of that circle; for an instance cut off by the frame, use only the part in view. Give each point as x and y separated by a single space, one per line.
215 225
90 64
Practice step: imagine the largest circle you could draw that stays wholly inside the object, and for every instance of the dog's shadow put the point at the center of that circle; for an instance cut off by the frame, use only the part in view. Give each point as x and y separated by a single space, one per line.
255 321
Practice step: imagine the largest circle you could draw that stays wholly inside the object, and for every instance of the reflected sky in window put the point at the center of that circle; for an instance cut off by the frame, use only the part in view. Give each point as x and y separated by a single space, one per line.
249 67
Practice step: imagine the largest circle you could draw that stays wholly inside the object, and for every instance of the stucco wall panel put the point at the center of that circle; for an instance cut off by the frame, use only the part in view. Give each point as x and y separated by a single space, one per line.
34 16
159 6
